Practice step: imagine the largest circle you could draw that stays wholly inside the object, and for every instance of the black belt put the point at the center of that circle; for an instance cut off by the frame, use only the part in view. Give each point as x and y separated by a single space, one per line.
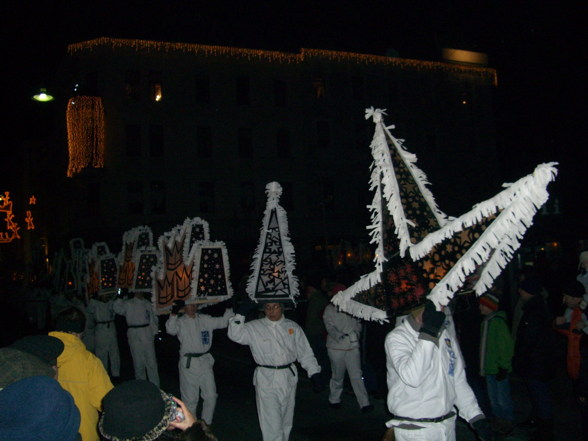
284 366
191 355
139 326
106 322
426 420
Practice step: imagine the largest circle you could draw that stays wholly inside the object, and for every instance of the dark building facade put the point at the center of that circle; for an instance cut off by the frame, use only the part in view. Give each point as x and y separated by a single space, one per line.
158 132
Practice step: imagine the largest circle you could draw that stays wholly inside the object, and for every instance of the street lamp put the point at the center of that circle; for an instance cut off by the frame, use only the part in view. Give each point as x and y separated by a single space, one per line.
43 96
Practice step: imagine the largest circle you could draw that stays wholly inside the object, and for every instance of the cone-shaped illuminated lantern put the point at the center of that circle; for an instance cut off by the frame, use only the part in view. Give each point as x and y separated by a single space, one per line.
272 269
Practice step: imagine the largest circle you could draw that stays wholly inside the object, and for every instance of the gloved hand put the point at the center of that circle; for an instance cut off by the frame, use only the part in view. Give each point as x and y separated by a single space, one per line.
502 374
178 304
317 384
433 320
245 306
483 430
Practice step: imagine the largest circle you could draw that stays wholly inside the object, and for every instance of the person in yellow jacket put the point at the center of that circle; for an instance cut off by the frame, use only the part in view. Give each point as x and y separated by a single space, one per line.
81 373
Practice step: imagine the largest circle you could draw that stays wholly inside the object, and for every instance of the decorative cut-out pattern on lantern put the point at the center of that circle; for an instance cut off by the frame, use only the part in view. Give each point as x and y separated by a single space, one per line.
85 133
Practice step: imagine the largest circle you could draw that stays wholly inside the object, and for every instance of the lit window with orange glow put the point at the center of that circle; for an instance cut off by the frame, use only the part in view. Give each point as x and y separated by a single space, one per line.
319 87
156 87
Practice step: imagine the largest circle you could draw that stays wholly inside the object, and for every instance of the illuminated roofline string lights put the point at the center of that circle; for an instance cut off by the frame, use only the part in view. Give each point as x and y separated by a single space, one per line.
85 133
484 73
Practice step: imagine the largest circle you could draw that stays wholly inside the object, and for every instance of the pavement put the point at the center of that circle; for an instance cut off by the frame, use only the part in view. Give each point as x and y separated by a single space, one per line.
236 417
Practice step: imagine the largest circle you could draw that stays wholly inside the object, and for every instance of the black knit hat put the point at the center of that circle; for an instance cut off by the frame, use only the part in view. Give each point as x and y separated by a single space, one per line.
70 320
574 289
136 410
46 347
531 284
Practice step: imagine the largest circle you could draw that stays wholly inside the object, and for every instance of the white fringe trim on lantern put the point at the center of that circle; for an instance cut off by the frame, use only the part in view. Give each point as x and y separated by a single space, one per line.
273 192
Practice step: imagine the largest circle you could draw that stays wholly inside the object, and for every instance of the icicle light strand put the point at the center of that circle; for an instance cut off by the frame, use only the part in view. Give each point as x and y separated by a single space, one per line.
85 133
484 73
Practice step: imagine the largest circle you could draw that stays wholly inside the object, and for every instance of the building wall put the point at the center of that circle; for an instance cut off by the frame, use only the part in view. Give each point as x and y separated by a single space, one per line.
443 111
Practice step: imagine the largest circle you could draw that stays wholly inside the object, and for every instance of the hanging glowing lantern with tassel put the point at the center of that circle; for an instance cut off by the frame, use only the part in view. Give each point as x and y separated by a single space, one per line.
85 133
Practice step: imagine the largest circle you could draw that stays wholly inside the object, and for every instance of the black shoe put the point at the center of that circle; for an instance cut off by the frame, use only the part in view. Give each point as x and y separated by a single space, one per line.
367 409
530 423
334 405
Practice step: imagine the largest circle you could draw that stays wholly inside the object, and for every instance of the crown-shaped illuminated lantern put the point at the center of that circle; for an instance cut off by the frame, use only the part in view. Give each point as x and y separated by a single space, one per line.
102 270
137 259
421 253
272 276
191 268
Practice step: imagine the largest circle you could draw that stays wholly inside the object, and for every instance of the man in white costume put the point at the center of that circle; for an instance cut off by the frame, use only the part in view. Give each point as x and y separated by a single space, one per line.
101 312
195 331
276 343
426 380
142 327
343 331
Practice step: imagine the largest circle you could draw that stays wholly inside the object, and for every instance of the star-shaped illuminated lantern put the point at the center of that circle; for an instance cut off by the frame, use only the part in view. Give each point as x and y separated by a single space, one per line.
33 200
422 253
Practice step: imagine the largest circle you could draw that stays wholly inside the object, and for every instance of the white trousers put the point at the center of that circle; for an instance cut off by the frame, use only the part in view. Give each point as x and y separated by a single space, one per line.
350 362
143 353
106 347
443 431
275 410
198 381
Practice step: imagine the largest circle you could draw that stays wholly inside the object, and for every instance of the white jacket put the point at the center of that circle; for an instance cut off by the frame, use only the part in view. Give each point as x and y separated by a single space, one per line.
342 329
195 333
426 380
274 344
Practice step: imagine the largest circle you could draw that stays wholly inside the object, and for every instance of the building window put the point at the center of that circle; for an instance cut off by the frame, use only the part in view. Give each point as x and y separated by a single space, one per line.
287 198
90 86
245 141
155 86
156 140
133 84
247 197
243 93
135 197
323 134
283 143
393 89
357 88
327 192
280 93
206 197
93 199
157 197
320 88
202 89
133 140
204 142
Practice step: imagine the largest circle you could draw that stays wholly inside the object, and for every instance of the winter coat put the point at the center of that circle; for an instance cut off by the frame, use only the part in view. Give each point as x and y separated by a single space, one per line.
535 342
82 374
498 347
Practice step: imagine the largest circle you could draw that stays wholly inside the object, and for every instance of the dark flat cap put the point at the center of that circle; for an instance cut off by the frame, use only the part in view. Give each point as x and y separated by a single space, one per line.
45 347
16 365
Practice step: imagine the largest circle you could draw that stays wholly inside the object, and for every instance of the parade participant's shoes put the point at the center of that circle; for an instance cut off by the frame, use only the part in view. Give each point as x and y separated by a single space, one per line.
530 423
502 427
367 409
334 405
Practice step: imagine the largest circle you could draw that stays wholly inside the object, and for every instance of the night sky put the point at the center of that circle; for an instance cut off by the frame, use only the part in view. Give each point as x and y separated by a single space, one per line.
537 48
